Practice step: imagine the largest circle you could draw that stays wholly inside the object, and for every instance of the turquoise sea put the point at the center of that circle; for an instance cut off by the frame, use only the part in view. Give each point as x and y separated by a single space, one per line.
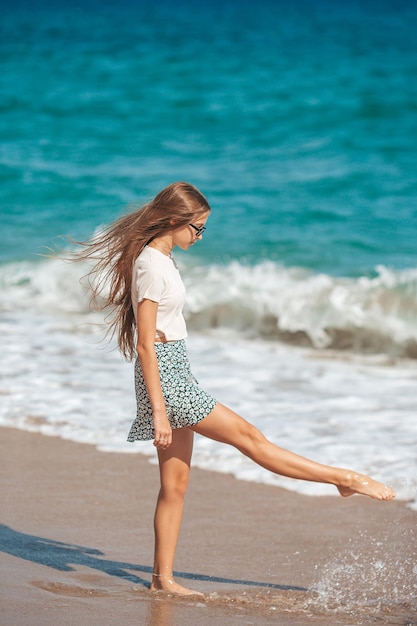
298 120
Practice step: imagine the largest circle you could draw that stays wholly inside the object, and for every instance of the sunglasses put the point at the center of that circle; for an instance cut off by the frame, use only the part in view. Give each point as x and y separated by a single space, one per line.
199 230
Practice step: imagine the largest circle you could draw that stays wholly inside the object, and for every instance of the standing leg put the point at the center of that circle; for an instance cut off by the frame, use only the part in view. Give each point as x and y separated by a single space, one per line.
174 469
224 425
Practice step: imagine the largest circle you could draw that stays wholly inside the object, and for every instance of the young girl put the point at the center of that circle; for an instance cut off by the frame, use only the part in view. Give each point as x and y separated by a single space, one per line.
136 271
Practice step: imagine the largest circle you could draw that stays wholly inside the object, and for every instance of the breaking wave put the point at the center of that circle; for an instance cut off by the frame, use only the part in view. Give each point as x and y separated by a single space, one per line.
364 315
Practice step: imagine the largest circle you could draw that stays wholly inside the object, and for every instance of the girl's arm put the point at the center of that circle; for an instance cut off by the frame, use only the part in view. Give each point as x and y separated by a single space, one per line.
146 322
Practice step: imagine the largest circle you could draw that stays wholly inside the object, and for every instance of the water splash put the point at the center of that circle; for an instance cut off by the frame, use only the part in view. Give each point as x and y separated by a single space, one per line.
370 576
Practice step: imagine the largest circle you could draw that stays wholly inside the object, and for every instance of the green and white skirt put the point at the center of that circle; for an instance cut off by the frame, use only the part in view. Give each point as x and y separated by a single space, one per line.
186 403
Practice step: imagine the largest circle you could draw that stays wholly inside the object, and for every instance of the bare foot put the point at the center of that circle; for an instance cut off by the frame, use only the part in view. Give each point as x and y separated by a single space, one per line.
358 483
162 582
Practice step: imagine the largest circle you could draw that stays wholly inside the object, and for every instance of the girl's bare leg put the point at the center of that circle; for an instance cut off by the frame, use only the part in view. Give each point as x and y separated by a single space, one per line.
174 469
224 425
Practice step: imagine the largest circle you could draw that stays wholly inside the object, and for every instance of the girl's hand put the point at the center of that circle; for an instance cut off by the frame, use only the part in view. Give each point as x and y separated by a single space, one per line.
163 432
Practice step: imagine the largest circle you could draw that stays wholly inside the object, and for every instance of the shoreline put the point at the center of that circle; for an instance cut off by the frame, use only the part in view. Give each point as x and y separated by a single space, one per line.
77 545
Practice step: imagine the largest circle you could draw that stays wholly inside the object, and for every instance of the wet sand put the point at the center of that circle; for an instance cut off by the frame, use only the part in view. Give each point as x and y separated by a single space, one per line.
76 547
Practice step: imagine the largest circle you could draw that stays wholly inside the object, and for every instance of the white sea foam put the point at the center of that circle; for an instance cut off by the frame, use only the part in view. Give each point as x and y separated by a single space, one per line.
365 314
58 379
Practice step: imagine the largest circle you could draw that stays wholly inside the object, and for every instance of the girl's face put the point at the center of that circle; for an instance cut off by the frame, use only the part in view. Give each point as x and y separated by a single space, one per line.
186 236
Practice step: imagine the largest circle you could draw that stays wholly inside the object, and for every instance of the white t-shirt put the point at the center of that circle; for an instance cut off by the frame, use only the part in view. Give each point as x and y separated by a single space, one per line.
156 277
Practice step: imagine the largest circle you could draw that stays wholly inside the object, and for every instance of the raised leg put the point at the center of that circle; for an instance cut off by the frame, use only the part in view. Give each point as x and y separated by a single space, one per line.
174 468
224 425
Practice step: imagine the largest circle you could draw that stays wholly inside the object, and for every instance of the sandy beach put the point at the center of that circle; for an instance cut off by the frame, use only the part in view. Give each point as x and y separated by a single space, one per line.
76 547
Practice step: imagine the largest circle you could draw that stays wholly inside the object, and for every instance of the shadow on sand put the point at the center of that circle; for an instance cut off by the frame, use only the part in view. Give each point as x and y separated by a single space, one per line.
63 556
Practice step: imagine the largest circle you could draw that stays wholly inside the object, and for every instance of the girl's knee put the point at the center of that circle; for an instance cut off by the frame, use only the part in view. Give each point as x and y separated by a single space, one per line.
175 486
250 438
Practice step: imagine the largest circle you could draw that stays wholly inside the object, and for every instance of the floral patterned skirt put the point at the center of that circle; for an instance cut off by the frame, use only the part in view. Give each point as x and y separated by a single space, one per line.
185 401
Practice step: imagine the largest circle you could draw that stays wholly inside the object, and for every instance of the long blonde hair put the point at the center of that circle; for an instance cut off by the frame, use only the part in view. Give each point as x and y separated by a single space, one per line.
116 248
